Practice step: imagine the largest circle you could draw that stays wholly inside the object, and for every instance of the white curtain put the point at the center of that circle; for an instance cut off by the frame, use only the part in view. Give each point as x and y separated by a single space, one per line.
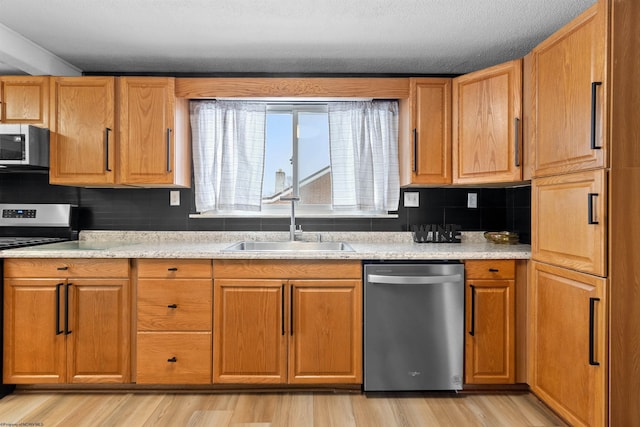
228 140
364 155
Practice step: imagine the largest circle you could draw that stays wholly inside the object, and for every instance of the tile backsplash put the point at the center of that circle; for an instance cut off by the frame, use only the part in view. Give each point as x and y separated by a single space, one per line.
497 209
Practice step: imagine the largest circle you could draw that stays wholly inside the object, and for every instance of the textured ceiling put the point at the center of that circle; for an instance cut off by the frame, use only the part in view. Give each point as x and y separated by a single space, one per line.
287 36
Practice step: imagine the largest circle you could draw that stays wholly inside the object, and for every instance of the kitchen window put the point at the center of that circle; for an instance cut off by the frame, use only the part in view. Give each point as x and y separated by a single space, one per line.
340 158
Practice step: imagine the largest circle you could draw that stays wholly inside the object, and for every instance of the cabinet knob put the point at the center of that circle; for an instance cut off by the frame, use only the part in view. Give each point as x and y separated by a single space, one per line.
172 360
172 306
172 268
62 268
494 270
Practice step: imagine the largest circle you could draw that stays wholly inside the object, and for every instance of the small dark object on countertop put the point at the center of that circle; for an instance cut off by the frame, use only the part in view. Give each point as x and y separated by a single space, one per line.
436 233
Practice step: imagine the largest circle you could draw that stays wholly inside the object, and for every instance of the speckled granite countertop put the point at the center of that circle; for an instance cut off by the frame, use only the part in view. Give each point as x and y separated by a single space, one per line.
211 244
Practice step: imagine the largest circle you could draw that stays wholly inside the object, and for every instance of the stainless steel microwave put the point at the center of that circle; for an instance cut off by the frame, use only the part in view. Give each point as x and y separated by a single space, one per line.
23 147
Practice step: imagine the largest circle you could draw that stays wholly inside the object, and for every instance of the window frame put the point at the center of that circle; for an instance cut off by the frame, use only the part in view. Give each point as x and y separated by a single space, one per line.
302 210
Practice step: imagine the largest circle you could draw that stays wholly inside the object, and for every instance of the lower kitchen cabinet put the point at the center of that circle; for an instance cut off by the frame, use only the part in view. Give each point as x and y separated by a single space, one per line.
66 321
174 301
279 322
568 343
490 320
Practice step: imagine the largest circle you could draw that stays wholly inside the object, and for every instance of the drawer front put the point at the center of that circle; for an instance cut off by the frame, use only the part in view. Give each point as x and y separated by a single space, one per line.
490 269
175 305
174 268
66 267
569 221
288 269
174 358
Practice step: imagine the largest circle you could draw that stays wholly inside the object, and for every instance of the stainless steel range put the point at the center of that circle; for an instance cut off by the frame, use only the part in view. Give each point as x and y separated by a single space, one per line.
29 224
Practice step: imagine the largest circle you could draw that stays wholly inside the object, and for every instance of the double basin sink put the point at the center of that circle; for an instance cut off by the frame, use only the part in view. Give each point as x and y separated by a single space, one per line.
288 246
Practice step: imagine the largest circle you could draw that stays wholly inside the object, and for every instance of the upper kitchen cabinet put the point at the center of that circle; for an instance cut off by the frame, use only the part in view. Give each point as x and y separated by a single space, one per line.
569 95
24 99
427 157
487 109
145 145
154 143
83 138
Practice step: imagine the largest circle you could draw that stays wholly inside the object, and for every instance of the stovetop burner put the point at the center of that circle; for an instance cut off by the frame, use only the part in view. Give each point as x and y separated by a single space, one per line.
19 242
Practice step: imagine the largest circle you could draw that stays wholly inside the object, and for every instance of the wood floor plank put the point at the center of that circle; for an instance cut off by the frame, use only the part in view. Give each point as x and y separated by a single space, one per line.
333 410
296 409
373 411
177 409
14 407
254 408
414 411
134 412
210 418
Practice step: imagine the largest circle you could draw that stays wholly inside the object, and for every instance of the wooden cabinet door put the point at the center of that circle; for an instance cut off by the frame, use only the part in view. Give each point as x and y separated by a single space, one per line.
24 99
100 329
34 340
250 344
487 108
570 96
147 131
568 342
490 341
326 332
83 135
430 152
569 221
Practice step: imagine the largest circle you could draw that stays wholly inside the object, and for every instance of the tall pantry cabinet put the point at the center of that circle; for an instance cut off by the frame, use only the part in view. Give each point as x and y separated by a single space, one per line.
584 305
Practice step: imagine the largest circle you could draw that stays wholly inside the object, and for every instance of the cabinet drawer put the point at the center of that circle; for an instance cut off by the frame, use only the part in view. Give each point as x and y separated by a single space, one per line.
174 268
490 269
66 267
175 305
174 358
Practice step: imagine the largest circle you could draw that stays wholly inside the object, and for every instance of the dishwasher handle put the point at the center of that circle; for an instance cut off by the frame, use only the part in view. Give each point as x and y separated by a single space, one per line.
412 280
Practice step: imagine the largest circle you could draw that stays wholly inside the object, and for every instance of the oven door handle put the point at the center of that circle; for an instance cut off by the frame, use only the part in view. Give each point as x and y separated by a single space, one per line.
412 280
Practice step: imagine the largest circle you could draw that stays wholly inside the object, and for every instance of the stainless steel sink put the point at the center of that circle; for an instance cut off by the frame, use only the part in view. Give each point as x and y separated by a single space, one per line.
288 246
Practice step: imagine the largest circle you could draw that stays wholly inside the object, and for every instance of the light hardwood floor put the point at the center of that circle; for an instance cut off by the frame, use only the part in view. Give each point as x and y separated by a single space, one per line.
273 409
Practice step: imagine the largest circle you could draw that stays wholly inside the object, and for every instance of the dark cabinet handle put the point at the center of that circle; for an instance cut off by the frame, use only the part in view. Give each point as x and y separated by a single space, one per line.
517 141
106 150
594 96
67 331
172 306
472 328
172 360
58 287
291 310
62 268
415 150
590 219
282 307
168 149
494 270
172 269
592 309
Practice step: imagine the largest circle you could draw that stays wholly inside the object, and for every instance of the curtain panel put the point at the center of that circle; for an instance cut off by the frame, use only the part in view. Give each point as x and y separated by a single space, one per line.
228 140
364 155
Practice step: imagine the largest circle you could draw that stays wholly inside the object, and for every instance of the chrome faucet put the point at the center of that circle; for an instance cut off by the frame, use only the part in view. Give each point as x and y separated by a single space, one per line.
293 228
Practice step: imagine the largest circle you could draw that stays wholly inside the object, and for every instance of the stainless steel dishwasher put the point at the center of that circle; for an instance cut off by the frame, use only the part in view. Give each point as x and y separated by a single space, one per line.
413 326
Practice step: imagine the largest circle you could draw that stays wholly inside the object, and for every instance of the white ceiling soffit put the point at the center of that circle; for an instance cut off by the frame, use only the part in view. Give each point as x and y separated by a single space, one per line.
286 36
19 55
